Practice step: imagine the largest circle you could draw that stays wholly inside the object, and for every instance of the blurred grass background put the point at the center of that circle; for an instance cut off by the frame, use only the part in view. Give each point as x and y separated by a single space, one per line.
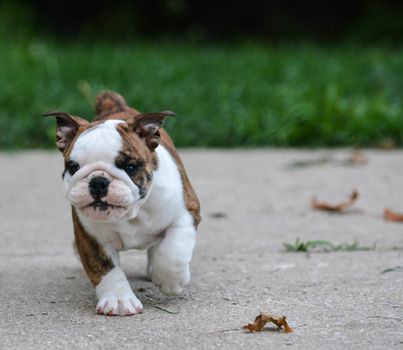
238 93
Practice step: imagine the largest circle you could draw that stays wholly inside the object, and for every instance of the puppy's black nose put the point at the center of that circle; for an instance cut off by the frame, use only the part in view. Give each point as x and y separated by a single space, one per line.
99 187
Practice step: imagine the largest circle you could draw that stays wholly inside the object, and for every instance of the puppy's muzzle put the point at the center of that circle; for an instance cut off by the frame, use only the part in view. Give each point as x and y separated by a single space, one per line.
98 187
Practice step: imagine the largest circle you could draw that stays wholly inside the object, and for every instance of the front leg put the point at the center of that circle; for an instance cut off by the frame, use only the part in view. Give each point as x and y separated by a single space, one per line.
115 297
169 259
101 262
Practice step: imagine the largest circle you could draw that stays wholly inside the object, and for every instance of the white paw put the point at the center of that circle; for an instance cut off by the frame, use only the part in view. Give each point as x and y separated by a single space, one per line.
119 305
170 282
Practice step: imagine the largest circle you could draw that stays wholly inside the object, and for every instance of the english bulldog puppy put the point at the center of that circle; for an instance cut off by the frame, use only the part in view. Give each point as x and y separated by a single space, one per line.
128 190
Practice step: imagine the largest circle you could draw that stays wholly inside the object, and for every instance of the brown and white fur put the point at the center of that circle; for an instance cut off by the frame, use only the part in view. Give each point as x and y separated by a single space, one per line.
129 190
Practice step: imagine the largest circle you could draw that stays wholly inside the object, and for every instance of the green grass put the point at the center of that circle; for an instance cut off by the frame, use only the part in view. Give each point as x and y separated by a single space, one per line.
323 246
238 95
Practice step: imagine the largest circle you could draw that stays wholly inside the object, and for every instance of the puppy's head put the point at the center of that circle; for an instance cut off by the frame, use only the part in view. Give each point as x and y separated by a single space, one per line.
109 162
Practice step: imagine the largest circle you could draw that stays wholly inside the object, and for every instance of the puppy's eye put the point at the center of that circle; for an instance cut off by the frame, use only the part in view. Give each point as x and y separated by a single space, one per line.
130 169
72 167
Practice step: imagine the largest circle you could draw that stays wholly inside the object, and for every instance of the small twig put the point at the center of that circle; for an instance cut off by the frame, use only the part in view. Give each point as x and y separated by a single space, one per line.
385 317
165 310
221 331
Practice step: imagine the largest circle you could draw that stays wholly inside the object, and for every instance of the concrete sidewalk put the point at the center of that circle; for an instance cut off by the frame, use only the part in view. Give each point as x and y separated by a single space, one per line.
252 202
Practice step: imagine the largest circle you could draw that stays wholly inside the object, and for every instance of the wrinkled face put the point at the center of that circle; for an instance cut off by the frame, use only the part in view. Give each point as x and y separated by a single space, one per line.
108 172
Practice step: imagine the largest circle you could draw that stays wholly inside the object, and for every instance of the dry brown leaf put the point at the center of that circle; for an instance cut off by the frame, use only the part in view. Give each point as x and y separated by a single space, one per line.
315 204
392 216
262 319
357 157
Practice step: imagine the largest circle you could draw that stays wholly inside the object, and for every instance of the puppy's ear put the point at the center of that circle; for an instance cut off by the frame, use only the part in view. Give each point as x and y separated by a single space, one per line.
146 126
109 102
67 127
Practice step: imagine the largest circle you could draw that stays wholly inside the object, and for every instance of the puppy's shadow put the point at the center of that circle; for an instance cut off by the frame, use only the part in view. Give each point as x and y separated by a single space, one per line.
152 298
140 282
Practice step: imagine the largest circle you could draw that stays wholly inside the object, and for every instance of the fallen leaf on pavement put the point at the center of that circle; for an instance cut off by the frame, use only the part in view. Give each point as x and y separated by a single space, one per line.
356 158
392 216
335 207
262 319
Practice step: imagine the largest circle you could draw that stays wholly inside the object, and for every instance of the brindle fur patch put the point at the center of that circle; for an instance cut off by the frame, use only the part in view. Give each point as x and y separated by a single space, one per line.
135 152
191 200
109 102
111 105
93 257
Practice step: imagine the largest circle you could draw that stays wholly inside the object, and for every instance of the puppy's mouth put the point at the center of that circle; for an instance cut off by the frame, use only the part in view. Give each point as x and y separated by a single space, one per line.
102 205
100 210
